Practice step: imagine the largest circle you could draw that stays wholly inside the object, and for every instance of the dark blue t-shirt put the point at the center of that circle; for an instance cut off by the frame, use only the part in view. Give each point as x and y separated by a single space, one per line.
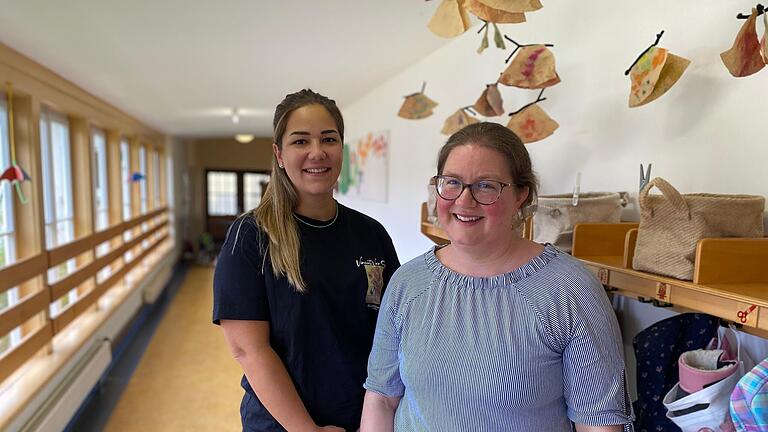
323 336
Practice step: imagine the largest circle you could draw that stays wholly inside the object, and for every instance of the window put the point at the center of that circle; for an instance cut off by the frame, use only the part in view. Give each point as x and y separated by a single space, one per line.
125 176
100 185
222 193
253 185
7 250
7 240
143 183
155 179
57 195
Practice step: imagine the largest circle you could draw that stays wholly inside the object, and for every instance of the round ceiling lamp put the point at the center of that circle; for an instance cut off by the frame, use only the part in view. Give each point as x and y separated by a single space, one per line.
244 138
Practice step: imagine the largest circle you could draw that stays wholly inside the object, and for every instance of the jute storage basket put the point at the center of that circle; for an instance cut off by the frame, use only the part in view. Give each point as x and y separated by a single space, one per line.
556 215
671 225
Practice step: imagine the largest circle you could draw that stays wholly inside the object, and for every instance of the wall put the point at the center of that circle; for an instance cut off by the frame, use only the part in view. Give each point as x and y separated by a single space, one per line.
706 134
219 153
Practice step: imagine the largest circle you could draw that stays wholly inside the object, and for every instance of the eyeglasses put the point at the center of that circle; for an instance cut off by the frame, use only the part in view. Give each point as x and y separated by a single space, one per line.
485 192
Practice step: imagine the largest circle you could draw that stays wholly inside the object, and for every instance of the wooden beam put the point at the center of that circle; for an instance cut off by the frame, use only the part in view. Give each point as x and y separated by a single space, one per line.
30 345
25 309
22 271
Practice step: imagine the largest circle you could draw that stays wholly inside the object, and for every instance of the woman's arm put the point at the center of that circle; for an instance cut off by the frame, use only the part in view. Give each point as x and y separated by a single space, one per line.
249 343
587 428
378 413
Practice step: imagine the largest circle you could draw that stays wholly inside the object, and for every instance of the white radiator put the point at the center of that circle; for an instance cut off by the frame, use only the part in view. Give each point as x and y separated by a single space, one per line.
64 402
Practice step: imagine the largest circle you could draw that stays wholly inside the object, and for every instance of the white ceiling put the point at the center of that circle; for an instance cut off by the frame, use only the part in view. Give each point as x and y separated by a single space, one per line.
180 66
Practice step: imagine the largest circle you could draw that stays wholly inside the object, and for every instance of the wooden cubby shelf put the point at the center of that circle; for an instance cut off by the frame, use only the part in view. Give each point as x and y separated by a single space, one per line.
730 275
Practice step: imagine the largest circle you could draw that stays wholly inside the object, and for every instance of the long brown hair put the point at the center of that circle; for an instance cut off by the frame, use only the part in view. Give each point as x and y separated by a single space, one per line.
275 212
497 137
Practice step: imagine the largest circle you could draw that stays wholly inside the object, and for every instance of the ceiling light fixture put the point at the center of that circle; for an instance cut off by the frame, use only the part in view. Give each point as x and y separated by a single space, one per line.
235 116
244 138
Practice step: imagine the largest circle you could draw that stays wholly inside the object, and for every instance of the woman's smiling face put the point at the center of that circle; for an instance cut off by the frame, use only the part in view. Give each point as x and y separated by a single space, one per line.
311 151
466 222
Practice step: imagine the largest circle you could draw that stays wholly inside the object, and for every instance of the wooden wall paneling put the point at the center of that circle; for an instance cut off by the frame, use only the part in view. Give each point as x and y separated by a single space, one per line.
115 180
28 218
150 176
163 176
82 185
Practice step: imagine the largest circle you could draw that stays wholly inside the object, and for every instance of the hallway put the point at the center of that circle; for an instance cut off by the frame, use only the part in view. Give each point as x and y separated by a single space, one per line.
186 380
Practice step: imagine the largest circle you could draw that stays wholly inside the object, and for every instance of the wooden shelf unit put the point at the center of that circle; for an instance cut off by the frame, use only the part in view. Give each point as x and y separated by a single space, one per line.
730 275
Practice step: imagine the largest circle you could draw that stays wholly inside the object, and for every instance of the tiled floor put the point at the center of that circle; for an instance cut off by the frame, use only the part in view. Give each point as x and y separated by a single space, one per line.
176 374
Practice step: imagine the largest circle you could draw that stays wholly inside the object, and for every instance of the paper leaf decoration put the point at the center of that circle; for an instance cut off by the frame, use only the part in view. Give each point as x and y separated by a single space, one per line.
417 106
532 124
532 68
489 104
513 6
654 73
450 19
491 15
484 42
457 121
764 50
744 57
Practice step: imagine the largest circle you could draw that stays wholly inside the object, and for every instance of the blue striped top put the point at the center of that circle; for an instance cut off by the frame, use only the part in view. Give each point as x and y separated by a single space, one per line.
528 350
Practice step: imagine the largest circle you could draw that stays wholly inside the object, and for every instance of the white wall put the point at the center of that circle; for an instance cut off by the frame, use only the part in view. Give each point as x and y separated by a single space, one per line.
707 134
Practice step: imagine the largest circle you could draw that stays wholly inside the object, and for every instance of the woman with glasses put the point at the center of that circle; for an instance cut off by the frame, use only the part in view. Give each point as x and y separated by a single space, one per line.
299 280
493 332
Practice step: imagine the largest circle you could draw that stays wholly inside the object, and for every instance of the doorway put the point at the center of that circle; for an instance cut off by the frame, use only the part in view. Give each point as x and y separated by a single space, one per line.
228 194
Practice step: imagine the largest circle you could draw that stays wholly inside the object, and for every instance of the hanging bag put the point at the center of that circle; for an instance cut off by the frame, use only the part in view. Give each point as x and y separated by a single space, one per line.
686 410
556 215
671 225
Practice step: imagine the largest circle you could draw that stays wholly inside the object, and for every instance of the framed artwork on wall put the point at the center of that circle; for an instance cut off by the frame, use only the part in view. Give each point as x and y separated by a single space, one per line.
365 171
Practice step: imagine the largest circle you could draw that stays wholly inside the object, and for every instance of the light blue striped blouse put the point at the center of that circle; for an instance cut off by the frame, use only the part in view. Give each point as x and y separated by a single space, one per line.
529 350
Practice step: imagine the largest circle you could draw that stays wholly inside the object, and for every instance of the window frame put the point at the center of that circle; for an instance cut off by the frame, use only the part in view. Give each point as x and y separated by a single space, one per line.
54 225
11 339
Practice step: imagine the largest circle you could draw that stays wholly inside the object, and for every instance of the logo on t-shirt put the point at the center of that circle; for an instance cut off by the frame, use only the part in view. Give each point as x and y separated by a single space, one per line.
374 270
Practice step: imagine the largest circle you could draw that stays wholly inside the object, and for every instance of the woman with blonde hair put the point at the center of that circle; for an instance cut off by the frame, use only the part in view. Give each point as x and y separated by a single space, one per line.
298 282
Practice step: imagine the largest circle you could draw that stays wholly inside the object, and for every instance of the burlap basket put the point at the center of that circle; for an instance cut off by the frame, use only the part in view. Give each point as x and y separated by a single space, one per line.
556 215
671 225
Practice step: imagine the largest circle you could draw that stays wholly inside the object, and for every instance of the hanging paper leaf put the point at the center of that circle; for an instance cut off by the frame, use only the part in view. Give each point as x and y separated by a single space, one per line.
457 121
417 106
450 19
513 6
655 72
489 14
532 68
744 57
497 37
764 50
532 124
484 42
489 103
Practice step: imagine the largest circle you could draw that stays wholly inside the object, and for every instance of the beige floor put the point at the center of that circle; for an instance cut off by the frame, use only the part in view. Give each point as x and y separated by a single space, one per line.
186 380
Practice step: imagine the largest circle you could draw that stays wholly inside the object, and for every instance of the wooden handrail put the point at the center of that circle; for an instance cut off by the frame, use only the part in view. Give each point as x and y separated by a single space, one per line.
62 286
25 309
77 308
13 359
70 250
22 271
